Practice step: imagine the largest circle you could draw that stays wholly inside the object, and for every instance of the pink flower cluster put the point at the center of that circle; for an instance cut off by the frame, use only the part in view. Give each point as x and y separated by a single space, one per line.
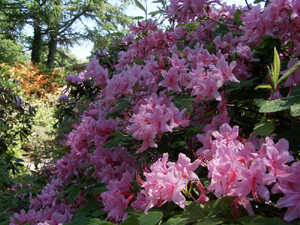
117 198
45 209
156 115
281 19
158 63
165 181
97 72
249 168
72 79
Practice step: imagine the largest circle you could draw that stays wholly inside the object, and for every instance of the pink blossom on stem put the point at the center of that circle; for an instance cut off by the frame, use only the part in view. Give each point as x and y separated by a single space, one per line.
165 181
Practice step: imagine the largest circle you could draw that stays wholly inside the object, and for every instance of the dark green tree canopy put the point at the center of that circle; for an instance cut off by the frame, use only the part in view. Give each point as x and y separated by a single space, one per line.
60 22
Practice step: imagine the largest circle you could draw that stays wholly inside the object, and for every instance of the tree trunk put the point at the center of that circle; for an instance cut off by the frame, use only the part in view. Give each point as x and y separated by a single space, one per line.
36 43
52 49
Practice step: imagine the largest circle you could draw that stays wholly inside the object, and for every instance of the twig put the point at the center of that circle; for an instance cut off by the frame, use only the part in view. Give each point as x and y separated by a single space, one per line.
247 5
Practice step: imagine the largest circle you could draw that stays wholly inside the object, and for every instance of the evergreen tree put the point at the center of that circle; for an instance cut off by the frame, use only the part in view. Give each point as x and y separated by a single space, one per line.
56 22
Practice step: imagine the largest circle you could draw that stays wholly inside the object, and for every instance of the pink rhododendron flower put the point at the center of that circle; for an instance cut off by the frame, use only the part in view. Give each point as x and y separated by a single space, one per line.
117 198
291 200
164 182
156 114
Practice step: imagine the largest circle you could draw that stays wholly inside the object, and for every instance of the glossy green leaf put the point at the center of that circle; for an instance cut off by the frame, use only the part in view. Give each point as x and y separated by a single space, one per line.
195 208
279 104
263 86
237 18
193 131
115 139
71 188
87 166
276 68
295 110
96 221
289 72
211 221
23 190
98 213
138 18
140 5
184 105
253 220
259 102
264 129
151 218
296 90
292 133
122 105
176 221
131 220
194 212
73 194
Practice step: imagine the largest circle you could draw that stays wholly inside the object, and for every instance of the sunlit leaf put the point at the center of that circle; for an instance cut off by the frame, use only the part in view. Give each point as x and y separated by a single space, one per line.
151 218
264 129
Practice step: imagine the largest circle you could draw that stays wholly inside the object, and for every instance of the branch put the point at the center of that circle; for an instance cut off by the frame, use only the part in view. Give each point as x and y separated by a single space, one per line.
70 22
247 5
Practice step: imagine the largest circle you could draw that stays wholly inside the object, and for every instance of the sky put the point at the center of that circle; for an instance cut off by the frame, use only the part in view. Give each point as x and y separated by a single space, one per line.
83 49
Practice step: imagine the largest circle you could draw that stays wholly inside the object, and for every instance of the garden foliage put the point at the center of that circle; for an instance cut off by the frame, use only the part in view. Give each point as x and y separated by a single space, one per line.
36 80
195 124
15 121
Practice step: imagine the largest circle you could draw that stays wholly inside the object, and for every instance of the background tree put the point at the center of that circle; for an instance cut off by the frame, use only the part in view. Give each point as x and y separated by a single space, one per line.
61 22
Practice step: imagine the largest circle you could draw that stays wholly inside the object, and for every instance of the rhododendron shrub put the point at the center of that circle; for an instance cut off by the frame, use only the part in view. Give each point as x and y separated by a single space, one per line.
196 123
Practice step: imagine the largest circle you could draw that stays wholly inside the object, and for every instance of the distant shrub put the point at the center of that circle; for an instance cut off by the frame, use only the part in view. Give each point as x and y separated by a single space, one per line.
37 80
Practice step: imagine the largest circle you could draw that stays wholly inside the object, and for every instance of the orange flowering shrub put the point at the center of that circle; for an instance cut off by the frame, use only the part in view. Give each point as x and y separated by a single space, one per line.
37 81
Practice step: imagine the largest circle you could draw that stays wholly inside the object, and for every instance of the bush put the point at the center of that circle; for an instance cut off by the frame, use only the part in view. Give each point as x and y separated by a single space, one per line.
195 124
15 120
37 81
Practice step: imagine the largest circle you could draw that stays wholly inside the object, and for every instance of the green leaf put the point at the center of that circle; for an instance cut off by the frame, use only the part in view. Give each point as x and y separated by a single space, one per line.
225 204
276 68
117 72
96 221
137 61
87 166
116 139
195 211
131 220
65 192
296 90
289 72
151 218
193 131
292 133
259 102
6 222
98 213
176 221
221 30
237 18
295 110
96 189
73 194
264 129
140 5
138 18
195 208
263 86
279 104
122 106
24 190
184 105
253 220
215 209
212 221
